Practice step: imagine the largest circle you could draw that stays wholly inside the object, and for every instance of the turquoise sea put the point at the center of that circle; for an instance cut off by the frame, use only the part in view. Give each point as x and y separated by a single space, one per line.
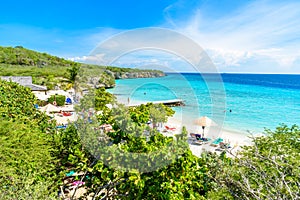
239 102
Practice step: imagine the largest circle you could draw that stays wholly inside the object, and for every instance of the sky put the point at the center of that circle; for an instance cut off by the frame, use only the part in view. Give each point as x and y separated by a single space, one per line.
239 36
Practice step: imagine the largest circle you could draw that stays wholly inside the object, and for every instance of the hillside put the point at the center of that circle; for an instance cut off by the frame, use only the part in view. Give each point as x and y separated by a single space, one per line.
26 57
19 61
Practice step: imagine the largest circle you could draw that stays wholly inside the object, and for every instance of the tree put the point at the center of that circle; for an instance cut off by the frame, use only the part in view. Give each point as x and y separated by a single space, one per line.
59 99
160 113
155 112
267 170
73 71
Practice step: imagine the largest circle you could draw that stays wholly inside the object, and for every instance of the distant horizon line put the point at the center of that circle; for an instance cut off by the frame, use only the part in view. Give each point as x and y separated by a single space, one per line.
254 73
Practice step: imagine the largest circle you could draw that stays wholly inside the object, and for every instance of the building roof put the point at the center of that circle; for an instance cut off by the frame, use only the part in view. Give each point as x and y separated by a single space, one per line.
24 81
34 87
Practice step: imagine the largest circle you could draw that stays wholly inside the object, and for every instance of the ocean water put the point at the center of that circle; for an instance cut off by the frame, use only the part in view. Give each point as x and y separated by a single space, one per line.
239 102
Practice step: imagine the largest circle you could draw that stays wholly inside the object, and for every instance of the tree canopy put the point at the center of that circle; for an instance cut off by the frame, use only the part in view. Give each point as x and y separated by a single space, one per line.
27 154
119 163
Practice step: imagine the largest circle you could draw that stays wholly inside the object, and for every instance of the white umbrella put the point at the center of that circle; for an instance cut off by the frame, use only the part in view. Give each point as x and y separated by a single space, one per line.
41 96
49 108
67 108
204 122
58 92
65 119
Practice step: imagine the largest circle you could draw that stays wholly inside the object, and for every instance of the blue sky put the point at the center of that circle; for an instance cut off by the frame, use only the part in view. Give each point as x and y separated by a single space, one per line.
238 35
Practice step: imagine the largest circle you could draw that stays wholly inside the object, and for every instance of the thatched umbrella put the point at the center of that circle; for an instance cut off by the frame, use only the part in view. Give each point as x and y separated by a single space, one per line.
204 122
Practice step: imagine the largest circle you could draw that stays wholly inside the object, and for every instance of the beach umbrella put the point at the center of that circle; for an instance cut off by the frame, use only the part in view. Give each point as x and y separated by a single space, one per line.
204 122
65 119
49 108
41 96
67 108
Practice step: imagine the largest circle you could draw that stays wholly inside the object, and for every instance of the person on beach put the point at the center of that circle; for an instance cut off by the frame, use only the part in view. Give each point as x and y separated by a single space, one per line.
128 100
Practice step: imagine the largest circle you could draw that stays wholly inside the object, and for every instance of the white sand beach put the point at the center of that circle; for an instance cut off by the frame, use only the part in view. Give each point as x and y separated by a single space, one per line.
235 139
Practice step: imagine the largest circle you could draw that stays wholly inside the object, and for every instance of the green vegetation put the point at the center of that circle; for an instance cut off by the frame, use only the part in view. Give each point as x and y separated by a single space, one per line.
27 155
53 71
268 170
16 104
45 69
26 57
151 112
34 71
42 67
122 70
59 99
27 166
35 157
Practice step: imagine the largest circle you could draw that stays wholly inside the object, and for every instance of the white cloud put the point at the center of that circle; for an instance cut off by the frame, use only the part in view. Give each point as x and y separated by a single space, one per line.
261 36
261 31
78 58
222 57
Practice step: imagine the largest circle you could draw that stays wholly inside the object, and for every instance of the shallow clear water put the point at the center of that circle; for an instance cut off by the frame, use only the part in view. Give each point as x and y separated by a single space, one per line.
256 101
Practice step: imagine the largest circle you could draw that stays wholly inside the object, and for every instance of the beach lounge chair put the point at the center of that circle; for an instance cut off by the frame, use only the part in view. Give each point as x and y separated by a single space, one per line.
216 142
61 126
193 135
72 172
204 140
170 128
66 114
198 142
78 183
224 145
199 137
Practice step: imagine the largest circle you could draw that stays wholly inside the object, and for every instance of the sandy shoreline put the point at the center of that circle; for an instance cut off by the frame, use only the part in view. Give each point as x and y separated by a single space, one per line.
234 138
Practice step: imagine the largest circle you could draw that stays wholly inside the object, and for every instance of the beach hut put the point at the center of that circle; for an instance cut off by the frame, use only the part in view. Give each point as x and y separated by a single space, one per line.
204 122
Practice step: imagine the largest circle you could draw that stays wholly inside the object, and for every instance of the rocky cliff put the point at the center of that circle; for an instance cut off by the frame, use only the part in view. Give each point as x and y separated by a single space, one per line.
107 79
138 74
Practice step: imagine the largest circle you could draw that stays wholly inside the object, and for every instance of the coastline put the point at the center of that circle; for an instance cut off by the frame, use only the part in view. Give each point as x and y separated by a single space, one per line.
235 138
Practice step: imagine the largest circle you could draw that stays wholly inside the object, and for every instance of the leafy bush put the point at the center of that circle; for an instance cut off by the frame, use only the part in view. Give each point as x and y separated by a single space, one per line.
59 99
155 112
27 167
28 159
267 170
41 103
17 104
